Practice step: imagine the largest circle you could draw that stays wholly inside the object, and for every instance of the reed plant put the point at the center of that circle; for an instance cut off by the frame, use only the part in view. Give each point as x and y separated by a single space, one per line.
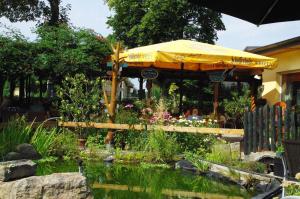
43 139
14 133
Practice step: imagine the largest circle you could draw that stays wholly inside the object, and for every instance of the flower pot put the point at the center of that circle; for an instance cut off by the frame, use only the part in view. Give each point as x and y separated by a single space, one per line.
81 143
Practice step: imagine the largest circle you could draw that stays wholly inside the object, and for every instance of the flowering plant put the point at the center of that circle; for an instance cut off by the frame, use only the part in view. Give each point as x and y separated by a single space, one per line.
292 188
206 122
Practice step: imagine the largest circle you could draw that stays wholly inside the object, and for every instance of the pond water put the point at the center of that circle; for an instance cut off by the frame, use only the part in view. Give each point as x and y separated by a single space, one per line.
115 181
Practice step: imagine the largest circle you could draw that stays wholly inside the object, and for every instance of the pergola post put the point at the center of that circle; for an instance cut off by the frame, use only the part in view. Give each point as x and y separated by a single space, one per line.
181 88
253 90
140 92
111 105
149 88
216 98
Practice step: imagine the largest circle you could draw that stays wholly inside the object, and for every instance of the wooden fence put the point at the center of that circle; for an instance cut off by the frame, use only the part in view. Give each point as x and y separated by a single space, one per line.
267 127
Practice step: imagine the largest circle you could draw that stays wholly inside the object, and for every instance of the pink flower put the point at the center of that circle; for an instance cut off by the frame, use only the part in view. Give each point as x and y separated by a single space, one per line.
129 106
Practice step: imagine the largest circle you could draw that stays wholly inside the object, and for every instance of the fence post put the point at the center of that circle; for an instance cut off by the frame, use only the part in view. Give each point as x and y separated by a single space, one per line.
255 129
246 136
250 131
273 128
279 125
293 126
287 133
260 129
266 117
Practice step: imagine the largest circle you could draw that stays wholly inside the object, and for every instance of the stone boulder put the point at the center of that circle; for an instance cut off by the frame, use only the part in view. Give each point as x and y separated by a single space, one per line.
12 170
185 165
13 156
55 186
27 151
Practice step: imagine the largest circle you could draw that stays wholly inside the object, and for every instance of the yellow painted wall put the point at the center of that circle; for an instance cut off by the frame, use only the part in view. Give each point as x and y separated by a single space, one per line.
288 62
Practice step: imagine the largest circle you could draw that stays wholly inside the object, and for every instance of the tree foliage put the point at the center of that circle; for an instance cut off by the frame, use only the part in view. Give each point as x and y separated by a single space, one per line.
49 11
64 50
153 21
16 55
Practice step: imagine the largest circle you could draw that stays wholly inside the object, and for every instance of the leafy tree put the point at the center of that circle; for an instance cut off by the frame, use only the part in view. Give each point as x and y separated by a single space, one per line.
236 106
65 50
79 98
154 21
32 10
16 60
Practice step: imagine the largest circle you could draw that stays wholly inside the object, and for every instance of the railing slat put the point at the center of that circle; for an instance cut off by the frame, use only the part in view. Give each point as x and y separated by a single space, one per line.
273 128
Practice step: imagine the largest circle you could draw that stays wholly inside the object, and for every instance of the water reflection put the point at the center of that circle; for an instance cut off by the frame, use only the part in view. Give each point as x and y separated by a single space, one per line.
119 181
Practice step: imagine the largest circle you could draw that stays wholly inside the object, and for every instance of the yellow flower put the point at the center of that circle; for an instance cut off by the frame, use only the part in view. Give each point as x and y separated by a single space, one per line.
286 184
297 176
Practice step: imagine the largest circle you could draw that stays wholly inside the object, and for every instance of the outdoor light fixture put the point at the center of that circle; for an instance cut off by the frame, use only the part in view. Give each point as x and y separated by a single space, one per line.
257 77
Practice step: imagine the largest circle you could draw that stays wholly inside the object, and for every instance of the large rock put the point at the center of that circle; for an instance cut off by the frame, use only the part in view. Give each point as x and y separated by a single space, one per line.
55 186
13 156
185 165
27 151
12 170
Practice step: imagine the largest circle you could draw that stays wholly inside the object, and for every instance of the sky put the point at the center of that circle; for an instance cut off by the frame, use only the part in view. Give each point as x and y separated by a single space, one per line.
239 34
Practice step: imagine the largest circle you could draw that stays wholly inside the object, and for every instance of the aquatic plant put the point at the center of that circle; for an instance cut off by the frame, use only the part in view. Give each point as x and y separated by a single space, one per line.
14 133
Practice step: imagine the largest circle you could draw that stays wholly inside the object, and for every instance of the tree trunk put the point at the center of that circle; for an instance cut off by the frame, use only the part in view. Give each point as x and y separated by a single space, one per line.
54 6
41 87
12 86
2 82
22 89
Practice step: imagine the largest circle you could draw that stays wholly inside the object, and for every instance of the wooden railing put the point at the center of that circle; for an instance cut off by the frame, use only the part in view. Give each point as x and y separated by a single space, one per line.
142 127
267 127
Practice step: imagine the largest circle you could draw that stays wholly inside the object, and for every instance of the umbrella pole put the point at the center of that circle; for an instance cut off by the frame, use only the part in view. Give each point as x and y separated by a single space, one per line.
181 88
216 98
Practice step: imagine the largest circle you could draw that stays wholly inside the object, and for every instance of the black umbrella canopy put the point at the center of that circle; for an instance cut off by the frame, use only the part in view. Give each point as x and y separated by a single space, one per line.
256 11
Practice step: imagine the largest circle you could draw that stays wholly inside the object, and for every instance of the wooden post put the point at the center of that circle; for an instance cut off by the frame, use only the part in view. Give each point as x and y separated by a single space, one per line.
181 88
279 125
250 131
273 129
149 88
293 126
111 106
266 118
141 96
287 124
260 129
253 95
246 134
216 98
255 131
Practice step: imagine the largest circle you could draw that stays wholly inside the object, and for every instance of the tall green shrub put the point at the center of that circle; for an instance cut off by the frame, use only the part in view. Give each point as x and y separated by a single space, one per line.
161 145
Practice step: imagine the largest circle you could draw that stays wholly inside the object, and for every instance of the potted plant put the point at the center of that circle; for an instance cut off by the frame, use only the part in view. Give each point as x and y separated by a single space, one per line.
81 138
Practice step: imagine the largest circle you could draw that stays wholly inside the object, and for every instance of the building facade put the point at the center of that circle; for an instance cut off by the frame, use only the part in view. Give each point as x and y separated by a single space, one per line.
283 82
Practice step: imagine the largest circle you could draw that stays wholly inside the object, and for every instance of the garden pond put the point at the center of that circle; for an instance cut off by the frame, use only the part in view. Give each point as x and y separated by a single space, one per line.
144 181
